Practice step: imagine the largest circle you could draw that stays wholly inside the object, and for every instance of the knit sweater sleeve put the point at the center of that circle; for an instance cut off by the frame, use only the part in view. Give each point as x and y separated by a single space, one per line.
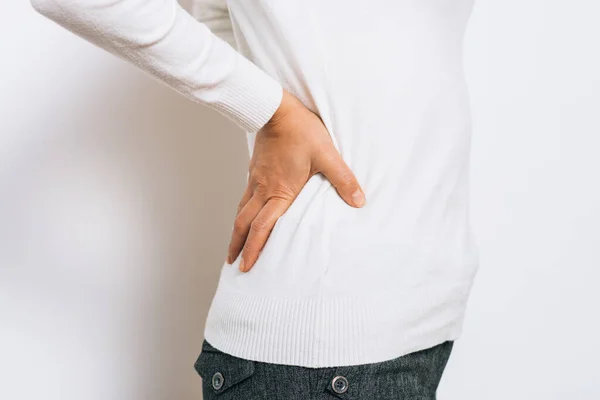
215 15
179 49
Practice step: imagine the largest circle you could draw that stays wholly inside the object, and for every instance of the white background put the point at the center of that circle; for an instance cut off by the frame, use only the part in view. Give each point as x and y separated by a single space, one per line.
117 195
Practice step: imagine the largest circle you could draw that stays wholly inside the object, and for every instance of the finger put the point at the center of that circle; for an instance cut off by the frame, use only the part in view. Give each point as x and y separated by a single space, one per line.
342 178
260 230
241 226
245 197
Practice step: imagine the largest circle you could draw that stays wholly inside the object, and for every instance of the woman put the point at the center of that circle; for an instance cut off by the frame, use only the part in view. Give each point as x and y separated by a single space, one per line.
358 292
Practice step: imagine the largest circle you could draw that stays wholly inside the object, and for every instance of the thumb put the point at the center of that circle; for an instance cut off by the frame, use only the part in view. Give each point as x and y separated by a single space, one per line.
342 178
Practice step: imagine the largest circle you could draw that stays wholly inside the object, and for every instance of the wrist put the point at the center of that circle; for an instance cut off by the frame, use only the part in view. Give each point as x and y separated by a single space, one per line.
287 103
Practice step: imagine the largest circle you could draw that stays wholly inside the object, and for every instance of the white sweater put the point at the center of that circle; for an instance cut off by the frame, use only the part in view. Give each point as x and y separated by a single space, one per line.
334 285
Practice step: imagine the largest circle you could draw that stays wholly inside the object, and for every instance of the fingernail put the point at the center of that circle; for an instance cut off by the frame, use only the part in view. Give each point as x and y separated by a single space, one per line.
358 198
242 266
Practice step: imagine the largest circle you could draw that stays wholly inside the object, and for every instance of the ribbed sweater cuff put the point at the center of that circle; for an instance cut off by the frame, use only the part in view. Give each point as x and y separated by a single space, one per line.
249 96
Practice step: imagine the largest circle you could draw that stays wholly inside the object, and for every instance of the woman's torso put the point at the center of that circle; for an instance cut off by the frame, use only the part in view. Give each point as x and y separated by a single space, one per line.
337 285
387 81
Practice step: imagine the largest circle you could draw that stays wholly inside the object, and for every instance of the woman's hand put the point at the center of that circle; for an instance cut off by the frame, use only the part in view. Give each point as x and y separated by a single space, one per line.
292 147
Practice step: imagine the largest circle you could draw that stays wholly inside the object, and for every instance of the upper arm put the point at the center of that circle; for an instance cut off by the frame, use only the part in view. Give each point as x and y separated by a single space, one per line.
215 15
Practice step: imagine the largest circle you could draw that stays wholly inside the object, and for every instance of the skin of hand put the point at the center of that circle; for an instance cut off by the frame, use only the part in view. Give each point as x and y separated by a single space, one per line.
292 147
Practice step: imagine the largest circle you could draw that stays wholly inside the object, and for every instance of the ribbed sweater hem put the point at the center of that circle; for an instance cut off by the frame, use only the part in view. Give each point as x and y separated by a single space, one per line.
321 332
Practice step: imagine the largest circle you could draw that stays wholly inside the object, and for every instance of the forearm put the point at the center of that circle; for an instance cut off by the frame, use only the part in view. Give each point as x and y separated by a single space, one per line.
161 38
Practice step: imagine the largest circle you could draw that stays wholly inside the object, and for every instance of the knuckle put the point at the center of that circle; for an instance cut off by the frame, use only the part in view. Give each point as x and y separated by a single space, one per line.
257 176
282 192
260 224
239 225
325 160
346 179
260 187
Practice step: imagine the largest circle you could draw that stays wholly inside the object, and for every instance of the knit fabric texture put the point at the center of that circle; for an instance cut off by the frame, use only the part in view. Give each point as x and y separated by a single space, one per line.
334 285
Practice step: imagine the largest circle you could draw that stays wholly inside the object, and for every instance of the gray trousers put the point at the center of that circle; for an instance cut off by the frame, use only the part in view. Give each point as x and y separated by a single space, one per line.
414 376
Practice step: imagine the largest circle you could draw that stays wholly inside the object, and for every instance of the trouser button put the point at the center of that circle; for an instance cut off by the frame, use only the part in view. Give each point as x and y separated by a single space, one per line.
339 384
217 381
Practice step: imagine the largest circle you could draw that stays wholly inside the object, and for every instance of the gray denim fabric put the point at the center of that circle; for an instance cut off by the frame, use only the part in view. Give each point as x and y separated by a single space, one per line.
414 376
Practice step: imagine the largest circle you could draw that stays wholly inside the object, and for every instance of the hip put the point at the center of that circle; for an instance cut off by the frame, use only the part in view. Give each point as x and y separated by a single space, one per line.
415 375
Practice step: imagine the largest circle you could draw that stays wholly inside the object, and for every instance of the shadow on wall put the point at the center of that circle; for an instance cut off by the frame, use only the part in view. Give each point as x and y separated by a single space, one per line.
116 230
